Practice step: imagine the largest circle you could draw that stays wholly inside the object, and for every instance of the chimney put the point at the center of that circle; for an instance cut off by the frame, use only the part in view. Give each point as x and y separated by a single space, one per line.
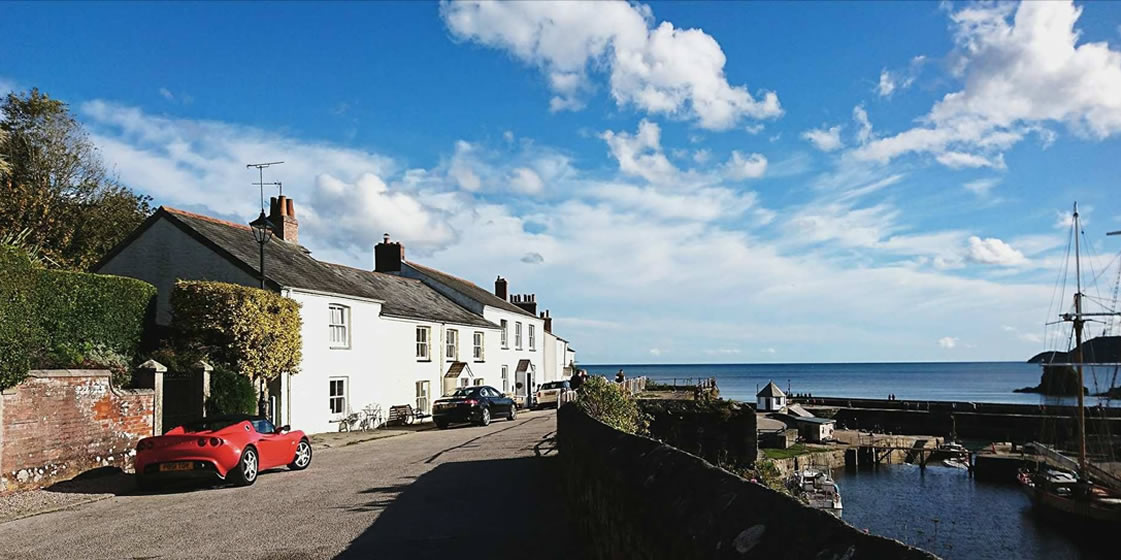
500 288
282 214
388 255
527 302
548 321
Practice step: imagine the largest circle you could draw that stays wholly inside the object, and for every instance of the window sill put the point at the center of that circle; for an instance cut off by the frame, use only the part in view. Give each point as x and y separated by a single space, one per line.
425 360
340 347
479 361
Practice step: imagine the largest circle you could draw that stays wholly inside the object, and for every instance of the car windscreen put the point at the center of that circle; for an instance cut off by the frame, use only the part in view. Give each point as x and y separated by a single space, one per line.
210 424
463 392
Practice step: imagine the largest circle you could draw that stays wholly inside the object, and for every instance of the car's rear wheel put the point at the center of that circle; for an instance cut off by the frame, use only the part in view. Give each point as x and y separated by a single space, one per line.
484 417
442 424
146 483
513 413
245 473
303 456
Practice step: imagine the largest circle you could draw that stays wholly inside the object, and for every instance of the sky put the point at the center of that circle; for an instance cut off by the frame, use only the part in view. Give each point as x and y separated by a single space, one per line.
676 182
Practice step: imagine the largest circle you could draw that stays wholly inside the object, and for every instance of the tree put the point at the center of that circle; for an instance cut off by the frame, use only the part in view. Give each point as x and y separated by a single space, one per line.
55 185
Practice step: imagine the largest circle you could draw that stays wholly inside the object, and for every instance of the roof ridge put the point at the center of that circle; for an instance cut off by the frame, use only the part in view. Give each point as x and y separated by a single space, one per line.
366 270
211 219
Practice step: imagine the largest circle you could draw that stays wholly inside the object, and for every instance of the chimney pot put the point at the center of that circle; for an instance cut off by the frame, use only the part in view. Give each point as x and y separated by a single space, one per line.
291 208
282 214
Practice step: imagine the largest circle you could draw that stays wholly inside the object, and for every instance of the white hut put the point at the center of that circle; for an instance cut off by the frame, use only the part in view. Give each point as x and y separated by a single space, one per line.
770 399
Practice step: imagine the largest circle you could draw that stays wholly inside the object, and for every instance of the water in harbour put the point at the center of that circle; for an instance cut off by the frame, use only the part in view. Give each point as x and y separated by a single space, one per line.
945 511
939 381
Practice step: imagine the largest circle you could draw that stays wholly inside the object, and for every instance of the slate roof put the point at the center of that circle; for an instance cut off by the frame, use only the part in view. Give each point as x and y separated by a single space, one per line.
523 366
469 289
457 368
292 266
771 390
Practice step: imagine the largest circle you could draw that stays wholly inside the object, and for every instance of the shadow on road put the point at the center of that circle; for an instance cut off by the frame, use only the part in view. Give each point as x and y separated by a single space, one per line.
497 508
112 480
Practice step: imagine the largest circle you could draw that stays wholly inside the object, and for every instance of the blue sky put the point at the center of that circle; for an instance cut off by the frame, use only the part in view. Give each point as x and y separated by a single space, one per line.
678 182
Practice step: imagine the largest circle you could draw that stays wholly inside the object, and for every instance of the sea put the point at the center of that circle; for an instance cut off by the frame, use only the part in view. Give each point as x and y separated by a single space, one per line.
941 509
936 381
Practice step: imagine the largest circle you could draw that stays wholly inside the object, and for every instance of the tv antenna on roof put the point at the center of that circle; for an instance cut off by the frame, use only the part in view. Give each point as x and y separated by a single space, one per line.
261 179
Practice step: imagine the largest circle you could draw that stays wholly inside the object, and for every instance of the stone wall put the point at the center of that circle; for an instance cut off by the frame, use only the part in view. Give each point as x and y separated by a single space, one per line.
634 497
58 423
721 432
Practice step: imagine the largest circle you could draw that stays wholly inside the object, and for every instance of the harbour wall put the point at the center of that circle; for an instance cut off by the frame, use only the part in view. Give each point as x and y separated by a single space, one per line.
721 432
634 497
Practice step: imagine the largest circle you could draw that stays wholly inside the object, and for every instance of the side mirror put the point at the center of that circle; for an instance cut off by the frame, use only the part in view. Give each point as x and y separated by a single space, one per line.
283 429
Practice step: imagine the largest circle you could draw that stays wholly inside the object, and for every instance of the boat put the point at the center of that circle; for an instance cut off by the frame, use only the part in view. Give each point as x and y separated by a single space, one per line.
956 463
1065 488
818 489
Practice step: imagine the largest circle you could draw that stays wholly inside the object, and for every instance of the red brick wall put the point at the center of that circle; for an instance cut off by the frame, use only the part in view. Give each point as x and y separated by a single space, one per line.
59 423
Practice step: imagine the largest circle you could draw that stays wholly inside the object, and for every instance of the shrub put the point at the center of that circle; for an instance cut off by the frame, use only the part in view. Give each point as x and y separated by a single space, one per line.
83 311
253 331
230 393
608 402
18 336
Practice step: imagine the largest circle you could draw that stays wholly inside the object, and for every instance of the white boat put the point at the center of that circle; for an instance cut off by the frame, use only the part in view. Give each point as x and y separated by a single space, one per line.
955 463
818 489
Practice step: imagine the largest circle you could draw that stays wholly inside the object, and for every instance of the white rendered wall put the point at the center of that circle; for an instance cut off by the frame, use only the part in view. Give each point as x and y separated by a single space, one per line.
511 355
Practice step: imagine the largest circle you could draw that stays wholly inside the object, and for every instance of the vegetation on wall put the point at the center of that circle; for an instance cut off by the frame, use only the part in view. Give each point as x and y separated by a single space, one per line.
230 393
54 318
54 186
252 331
608 402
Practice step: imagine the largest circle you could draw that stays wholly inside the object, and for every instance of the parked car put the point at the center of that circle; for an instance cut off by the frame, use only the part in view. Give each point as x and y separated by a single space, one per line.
549 394
234 448
477 405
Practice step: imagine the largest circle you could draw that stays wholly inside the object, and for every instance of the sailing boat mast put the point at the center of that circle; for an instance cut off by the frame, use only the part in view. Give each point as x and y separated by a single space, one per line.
1078 322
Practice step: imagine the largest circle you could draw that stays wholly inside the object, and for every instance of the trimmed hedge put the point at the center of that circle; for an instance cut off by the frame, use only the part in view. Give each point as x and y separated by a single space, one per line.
79 309
230 393
253 331
56 318
18 337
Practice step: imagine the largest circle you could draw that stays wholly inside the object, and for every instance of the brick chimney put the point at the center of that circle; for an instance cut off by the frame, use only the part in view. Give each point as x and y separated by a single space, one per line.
500 288
388 255
548 321
528 302
282 214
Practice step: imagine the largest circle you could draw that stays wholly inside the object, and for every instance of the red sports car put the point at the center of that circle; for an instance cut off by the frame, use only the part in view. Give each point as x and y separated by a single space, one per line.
234 448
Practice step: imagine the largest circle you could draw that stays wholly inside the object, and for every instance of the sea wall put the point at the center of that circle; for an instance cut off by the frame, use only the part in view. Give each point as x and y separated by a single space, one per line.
721 432
634 497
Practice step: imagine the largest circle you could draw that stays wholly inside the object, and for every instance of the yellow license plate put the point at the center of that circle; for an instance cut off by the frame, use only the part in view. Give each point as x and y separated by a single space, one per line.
180 466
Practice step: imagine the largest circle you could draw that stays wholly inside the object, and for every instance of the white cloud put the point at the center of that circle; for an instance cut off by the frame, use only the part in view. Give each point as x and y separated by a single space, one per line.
658 69
825 139
864 126
702 156
948 342
754 129
641 154
892 81
526 180
656 351
982 187
994 251
740 166
166 93
508 136
886 86
1019 74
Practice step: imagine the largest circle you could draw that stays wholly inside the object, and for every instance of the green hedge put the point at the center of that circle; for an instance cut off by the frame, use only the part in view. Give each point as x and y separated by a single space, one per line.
55 318
78 309
18 336
253 331
230 393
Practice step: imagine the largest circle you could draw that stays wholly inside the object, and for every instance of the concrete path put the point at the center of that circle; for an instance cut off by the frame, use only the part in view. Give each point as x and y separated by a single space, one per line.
470 492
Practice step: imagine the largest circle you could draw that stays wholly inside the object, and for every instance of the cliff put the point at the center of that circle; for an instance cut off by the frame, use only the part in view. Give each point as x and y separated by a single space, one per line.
1097 350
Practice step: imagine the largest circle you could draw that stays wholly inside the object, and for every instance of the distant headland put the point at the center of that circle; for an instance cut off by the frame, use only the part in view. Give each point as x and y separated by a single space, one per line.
1061 379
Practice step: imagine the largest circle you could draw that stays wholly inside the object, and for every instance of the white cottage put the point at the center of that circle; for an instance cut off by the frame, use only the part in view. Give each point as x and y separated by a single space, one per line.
371 340
770 399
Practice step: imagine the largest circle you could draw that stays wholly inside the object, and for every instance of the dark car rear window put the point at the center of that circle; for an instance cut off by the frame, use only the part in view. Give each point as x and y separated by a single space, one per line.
555 385
464 392
211 424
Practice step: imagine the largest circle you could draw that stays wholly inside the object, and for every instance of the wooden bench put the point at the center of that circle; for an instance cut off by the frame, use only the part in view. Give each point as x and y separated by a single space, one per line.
401 415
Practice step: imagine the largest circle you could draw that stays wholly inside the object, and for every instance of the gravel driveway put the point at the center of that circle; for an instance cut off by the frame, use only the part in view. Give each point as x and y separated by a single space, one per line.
470 492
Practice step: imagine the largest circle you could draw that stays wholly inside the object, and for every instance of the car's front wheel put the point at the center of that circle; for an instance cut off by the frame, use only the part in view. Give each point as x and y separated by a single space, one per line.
245 473
484 417
303 456
513 413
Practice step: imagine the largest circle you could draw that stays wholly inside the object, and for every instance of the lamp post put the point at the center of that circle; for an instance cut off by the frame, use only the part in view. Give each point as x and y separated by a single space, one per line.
262 228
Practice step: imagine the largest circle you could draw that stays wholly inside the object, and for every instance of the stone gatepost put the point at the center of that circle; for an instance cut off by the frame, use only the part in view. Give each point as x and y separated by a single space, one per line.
150 376
204 383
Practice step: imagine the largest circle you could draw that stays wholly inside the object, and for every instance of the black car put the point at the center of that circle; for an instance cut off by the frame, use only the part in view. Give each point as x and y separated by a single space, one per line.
476 405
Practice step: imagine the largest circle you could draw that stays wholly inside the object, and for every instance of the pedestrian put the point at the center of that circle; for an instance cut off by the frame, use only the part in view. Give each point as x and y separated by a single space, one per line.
619 377
577 380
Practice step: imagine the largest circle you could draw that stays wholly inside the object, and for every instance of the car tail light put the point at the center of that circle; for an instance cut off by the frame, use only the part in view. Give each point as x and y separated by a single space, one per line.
144 444
471 402
202 442
215 441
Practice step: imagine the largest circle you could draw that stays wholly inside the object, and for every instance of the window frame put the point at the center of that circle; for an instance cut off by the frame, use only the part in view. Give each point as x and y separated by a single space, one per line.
532 337
517 335
344 325
505 379
478 346
426 344
505 338
344 397
451 347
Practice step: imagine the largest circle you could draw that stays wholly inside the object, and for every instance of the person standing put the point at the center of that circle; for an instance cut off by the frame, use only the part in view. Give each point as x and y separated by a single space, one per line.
619 377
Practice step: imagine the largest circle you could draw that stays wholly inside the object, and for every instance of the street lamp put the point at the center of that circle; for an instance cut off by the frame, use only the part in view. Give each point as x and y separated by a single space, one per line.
262 228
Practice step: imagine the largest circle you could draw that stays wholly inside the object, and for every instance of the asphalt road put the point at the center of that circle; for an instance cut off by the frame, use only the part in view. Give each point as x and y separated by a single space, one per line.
467 492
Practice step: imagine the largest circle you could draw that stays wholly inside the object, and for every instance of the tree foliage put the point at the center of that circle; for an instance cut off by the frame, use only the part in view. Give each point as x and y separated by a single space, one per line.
608 402
230 393
56 186
253 331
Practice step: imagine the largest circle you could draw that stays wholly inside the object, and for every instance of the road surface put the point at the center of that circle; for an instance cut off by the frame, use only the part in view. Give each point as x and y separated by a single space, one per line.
471 492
